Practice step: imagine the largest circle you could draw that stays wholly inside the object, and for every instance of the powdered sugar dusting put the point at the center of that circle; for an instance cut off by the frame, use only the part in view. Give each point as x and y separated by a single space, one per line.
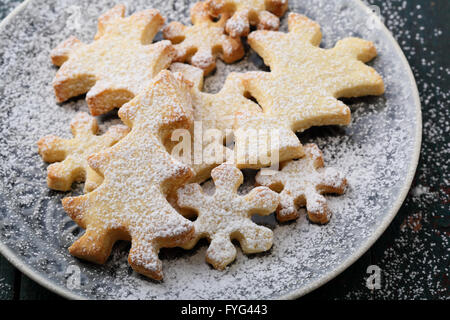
225 216
139 174
69 157
305 81
248 12
374 153
118 65
203 41
303 182
415 263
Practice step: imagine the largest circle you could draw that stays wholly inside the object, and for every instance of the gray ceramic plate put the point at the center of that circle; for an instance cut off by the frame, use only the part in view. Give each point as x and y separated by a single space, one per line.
378 152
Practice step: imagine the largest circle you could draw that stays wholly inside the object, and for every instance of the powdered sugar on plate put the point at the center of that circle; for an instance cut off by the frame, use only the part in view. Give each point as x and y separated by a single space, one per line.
375 152
414 258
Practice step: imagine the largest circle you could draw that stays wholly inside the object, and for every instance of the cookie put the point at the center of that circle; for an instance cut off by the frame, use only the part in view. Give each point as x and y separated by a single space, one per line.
117 65
71 155
305 81
245 13
213 112
302 182
263 141
219 112
138 173
226 215
203 42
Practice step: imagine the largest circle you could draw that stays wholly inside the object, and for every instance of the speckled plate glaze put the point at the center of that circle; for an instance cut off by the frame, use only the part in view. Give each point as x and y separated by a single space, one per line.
378 152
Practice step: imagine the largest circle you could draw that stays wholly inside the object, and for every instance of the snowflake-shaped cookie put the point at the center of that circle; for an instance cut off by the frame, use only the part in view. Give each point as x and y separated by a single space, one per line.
138 173
226 215
118 65
260 13
303 182
204 41
305 81
71 155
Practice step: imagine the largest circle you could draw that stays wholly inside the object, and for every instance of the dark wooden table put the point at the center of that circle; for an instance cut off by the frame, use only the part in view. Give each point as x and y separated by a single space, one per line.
414 253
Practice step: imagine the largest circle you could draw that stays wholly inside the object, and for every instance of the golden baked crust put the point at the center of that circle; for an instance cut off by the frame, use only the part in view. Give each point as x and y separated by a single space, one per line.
203 42
138 173
135 187
226 215
305 81
302 182
217 112
245 13
71 155
117 65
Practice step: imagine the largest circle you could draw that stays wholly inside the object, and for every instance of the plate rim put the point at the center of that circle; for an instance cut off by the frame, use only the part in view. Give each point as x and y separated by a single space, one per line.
406 186
38 277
